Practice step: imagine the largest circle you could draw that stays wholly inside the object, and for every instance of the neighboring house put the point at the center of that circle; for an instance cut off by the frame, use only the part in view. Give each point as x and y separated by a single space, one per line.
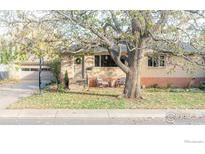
29 70
4 74
8 71
156 71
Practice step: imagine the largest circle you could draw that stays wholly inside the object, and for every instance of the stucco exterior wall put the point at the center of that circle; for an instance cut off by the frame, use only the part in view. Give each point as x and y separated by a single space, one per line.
169 71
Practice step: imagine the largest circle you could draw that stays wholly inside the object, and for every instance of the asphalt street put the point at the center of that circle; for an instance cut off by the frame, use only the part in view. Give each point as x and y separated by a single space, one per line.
99 121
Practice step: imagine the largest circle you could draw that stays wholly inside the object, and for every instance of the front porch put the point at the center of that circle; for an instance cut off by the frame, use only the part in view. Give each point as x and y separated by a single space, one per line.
82 68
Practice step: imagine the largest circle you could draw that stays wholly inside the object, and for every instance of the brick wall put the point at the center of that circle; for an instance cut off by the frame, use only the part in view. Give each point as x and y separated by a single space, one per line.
182 82
160 82
67 63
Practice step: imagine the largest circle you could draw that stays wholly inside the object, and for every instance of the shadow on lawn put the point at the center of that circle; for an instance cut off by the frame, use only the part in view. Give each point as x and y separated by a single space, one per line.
89 93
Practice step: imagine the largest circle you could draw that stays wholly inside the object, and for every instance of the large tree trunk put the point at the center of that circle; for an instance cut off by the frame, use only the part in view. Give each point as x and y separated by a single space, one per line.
130 86
133 85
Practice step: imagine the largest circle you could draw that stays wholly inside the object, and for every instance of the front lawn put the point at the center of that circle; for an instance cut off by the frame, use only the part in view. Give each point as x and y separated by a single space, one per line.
6 81
107 98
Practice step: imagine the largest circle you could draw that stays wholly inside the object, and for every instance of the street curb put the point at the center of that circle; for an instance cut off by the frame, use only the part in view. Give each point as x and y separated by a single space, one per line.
100 113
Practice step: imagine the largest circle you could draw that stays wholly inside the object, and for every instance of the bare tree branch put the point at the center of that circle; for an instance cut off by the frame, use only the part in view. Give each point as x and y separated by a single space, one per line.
116 57
115 21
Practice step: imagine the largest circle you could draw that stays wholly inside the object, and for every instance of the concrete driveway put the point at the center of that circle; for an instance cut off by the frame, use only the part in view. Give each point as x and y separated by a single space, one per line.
11 93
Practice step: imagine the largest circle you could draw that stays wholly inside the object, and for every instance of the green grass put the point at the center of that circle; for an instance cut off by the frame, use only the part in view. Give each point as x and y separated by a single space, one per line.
107 98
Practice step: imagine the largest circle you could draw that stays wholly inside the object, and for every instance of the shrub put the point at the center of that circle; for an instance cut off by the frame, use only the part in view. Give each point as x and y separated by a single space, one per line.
169 85
61 88
154 86
66 80
55 69
202 85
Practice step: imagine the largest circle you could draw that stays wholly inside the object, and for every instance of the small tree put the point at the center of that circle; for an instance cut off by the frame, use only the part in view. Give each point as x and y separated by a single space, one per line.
66 80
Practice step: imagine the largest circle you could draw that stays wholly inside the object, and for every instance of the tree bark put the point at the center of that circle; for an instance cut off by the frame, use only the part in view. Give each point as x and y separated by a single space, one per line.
132 85
133 77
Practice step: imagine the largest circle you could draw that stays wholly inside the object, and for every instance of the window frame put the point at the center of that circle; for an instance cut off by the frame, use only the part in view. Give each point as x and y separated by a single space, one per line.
100 61
158 64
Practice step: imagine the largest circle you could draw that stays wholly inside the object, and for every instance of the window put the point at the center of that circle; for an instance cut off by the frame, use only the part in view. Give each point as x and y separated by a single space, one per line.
35 69
97 61
158 61
25 69
46 69
106 61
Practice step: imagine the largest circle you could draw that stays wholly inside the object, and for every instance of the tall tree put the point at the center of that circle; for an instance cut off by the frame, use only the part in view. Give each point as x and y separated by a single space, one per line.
137 30
32 35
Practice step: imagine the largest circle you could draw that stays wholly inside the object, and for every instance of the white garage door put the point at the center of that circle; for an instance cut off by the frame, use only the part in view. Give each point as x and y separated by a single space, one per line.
33 74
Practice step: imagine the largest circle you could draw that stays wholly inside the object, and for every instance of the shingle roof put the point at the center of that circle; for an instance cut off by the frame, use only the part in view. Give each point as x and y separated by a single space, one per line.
187 47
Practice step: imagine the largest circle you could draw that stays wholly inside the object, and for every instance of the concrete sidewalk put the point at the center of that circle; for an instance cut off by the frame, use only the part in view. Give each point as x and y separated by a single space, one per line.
102 117
102 113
